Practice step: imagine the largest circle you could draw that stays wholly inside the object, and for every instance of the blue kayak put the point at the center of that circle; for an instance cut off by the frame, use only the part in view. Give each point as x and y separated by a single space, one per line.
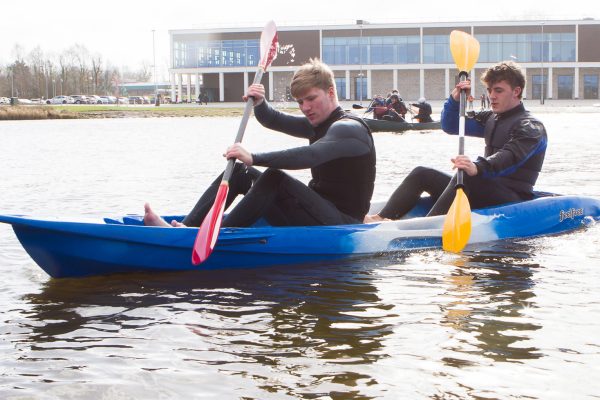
93 247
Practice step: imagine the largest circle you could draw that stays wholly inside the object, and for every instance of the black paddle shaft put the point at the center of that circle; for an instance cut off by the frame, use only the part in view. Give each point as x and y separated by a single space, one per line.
463 76
242 128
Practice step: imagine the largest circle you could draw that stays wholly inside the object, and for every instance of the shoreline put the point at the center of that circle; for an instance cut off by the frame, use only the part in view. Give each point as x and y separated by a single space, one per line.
37 112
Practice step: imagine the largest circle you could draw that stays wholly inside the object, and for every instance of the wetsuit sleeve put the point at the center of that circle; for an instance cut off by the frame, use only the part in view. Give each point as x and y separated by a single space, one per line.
294 125
345 138
527 138
450 118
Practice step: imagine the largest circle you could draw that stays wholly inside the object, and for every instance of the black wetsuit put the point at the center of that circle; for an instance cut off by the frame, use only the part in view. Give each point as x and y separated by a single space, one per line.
341 156
515 145
400 111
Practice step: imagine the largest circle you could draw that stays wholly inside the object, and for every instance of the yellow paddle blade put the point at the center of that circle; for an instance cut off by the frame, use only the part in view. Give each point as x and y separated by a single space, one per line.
457 225
464 49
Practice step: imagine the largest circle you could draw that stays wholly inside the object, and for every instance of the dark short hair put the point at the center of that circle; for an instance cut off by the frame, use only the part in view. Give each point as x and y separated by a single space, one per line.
508 71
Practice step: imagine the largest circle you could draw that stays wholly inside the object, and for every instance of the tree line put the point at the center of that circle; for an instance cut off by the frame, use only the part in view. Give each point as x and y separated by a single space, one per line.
74 71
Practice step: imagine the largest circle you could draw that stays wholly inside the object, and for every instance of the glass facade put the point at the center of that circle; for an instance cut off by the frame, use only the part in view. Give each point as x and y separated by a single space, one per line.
360 85
537 83
371 50
565 86
215 53
381 50
590 86
436 49
340 85
527 47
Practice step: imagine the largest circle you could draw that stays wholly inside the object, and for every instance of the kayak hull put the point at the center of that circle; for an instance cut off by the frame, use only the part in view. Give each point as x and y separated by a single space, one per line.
382 125
95 247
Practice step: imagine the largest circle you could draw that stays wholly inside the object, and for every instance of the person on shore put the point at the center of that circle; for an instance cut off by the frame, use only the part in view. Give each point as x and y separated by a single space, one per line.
340 155
515 146
202 98
485 102
424 110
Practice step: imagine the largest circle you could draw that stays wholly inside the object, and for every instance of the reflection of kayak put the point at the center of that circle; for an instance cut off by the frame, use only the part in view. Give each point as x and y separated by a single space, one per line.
79 247
382 125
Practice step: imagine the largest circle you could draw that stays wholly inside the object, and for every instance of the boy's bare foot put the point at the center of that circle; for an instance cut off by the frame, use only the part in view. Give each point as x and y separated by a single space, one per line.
177 224
153 219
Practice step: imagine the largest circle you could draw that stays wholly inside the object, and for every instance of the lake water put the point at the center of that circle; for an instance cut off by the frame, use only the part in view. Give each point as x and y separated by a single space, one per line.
511 319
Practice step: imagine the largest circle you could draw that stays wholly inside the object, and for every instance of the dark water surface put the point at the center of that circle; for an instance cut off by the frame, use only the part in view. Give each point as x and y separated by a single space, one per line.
511 319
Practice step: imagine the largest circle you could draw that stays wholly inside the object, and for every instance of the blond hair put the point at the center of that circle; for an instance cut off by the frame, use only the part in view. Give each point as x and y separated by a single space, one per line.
310 75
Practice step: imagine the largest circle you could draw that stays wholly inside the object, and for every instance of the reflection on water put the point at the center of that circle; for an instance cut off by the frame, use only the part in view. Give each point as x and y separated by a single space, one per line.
271 319
490 287
297 332
512 319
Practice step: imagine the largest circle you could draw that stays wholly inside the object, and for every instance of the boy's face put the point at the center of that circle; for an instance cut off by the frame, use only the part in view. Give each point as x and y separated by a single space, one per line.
503 97
317 104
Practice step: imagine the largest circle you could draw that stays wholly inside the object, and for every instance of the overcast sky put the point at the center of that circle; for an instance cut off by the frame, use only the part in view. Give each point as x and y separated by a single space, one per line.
121 30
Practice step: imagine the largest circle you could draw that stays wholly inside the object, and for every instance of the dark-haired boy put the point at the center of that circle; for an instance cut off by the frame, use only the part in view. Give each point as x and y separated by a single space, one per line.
515 146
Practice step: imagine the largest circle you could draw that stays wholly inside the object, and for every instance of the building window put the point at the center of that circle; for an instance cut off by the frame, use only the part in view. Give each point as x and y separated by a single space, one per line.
234 53
562 46
536 86
590 86
565 86
360 85
527 47
335 51
340 86
373 50
436 49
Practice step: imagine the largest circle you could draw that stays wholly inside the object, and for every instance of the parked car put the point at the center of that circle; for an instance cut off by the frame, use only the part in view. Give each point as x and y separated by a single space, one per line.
97 99
4 100
61 100
80 99
123 100
108 99
136 100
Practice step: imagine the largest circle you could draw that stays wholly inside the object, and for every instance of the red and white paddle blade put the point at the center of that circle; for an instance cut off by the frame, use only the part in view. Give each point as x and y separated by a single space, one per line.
209 230
268 45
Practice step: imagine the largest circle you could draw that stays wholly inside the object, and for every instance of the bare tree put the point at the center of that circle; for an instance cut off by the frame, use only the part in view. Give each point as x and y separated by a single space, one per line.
144 73
37 65
96 71
72 71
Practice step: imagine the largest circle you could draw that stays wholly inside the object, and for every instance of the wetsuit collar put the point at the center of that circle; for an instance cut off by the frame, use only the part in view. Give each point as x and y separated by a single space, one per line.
515 110
335 115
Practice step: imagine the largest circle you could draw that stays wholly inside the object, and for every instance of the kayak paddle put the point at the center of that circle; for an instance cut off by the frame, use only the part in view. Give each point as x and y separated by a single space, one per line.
457 224
209 230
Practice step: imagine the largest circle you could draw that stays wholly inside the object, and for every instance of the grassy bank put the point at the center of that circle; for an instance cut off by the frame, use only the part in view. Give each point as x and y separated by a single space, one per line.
96 111
34 112
114 111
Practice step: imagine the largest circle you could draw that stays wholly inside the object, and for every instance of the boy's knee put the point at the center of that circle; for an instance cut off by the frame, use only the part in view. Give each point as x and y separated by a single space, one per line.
272 175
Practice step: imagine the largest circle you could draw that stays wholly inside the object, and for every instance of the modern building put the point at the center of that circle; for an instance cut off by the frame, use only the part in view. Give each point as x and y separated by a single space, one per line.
561 58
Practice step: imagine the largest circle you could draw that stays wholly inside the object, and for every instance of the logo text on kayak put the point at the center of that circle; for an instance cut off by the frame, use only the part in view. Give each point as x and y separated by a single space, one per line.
572 213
